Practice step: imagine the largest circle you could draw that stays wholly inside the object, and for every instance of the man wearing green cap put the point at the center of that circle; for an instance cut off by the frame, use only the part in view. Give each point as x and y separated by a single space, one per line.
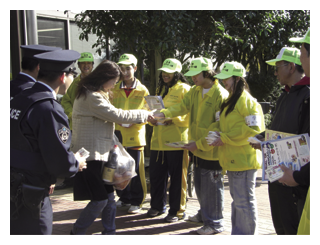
302 177
287 202
203 102
85 64
128 94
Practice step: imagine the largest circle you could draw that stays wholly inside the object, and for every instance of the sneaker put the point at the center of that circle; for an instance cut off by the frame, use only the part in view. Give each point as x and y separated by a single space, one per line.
134 209
194 218
153 212
206 230
120 204
173 218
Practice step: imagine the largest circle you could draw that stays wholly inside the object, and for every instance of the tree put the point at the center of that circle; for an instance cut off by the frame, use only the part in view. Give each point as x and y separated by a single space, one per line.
249 37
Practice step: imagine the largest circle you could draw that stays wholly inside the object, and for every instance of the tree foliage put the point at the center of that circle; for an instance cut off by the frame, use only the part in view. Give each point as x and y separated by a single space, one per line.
249 37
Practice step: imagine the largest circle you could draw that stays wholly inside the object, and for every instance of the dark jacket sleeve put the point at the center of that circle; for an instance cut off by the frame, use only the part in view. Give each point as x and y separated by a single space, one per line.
302 177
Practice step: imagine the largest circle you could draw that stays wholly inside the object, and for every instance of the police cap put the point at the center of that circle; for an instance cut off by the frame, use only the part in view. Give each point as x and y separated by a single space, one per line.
61 60
29 51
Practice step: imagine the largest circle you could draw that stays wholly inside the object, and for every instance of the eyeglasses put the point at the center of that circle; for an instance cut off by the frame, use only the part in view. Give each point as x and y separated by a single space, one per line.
276 67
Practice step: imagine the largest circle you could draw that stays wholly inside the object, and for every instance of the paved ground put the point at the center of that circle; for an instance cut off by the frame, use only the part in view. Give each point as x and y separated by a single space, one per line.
66 211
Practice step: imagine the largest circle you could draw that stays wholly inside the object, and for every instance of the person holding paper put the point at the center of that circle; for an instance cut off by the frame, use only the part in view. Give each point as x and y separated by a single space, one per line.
129 94
291 115
203 102
93 119
241 117
164 160
302 177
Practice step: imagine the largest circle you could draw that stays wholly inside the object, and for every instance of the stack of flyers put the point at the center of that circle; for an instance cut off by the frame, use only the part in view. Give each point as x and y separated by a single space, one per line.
83 153
154 102
253 140
212 136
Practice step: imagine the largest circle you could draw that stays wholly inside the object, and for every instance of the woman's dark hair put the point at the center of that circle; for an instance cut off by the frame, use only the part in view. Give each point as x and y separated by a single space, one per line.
238 88
176 77
209 74
104 72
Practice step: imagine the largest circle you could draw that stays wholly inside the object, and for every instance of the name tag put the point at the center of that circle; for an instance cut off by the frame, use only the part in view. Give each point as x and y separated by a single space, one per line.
217 116
253 120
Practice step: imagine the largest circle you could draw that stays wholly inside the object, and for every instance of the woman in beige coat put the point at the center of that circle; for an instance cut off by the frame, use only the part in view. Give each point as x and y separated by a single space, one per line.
93 119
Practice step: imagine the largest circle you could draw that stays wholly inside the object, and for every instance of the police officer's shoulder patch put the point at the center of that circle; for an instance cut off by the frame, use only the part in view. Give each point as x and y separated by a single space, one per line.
64 134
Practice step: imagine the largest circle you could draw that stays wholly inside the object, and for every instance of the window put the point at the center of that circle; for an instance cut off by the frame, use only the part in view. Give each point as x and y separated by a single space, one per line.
52 32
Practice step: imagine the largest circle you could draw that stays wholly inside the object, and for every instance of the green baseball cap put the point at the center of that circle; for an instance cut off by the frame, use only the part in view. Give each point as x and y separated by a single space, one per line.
171 65
86 57
230 69
198 65
305 39
286 54
128 59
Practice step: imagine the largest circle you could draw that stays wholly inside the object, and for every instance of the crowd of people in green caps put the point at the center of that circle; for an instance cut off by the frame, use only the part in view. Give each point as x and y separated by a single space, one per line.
107 104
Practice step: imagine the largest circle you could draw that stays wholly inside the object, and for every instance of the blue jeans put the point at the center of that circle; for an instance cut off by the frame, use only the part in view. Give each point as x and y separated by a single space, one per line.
108 209
209 190
244 206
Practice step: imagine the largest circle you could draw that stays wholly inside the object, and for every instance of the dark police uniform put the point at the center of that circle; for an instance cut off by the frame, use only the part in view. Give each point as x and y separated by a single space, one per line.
40 139
22 81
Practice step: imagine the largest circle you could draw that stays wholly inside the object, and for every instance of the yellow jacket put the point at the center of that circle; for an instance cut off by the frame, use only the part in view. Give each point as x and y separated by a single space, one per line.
136 134
68 99
236 154
202 116
178 130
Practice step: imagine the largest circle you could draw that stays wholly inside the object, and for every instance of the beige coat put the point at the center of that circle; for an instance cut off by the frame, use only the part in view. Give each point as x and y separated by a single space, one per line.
93 121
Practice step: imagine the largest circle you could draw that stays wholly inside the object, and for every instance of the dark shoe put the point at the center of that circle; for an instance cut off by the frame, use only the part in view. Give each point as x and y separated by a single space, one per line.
62 186
173 218
153 212
71 233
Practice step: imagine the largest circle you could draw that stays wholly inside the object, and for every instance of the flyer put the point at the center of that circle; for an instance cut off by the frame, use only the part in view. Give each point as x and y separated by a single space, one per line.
178 144
294 152
273 135
154 102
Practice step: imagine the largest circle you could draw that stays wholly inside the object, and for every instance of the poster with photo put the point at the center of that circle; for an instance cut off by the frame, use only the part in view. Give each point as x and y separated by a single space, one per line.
294 152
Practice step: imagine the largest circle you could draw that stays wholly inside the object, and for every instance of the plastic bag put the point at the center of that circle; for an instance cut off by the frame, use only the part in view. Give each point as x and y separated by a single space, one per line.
120 168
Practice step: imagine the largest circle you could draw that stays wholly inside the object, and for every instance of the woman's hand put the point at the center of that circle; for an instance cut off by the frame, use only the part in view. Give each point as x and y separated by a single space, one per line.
217 142
82 161
190 147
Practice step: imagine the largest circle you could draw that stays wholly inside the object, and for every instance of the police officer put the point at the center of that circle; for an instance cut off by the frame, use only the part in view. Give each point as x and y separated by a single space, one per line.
30 68
39 146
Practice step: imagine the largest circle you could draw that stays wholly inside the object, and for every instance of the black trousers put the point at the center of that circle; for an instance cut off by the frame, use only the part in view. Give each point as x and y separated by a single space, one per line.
26 225
286 208
163 164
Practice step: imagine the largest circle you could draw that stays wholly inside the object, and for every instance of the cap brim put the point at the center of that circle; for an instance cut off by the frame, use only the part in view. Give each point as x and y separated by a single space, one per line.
272 62
166 70
297 39
192 73
222 76
125 63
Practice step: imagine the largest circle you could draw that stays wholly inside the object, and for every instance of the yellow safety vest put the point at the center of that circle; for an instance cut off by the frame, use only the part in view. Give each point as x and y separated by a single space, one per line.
136 134
178 130
202 116
236 154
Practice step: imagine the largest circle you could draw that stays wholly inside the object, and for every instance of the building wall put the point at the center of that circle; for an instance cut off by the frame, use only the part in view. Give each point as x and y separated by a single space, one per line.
56 28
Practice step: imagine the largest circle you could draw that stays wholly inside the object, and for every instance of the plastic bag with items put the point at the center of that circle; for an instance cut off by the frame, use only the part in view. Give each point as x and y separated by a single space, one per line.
120 168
